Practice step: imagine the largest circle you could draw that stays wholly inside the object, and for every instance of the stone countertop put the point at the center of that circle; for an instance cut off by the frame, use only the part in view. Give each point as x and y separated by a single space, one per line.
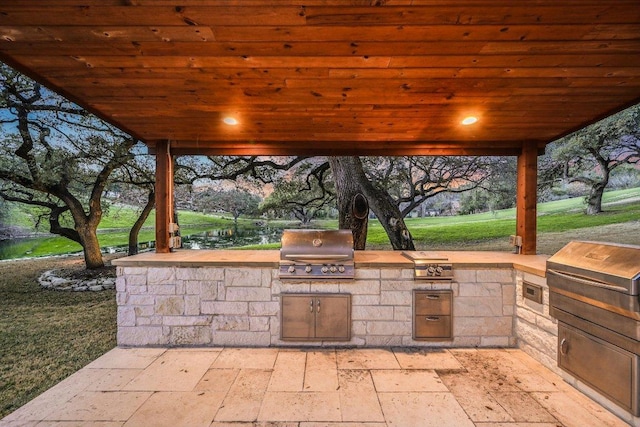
535 264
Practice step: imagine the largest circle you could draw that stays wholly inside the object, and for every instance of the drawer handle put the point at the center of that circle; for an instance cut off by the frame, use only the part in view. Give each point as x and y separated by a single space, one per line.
432 319
564 347
311 305
432 296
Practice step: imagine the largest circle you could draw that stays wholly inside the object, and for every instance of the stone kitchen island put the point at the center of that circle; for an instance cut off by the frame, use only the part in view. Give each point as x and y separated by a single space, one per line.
233 298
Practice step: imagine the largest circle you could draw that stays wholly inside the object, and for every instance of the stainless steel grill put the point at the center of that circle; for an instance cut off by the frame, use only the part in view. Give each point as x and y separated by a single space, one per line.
594 293
317 254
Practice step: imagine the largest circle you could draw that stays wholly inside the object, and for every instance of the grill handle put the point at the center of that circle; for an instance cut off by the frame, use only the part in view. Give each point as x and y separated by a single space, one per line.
322 257
564 348
586 281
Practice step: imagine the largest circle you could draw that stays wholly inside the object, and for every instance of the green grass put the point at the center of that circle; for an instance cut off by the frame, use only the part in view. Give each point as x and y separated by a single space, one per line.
47 335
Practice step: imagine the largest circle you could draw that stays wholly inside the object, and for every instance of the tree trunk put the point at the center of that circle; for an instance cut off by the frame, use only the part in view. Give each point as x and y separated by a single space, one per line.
594 199
137 226
351 180
91 247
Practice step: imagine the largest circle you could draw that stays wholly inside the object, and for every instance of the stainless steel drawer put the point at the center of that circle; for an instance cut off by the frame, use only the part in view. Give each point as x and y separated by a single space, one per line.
432 327
432 302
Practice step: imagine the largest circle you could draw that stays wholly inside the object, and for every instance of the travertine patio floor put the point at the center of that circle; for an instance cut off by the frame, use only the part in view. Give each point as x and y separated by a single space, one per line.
312 388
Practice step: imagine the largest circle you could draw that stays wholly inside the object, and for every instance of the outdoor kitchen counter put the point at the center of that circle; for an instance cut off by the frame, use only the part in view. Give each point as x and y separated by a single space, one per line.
534 264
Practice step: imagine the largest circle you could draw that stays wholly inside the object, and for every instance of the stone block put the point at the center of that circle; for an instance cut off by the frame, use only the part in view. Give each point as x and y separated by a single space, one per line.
205 274
161 289
549 325
501 275
241 339
122 298
248 294
257 308
478 306
395 298
494 341
191 305
135 280
397 285
372 312
362 287
141 336
192 287
358 328
244 277
368 273
169 306
134 271
230 323
121 284
403 314
186 320
160 275
137 290
190 335
383 341
482 326
267 276
535 279
480 289
325 287
126 316
396 273
508 310
144 310
208 290
141 300
508 294
464 276
292 287
542 341
180 287
388 328
259 323
365 300
224 307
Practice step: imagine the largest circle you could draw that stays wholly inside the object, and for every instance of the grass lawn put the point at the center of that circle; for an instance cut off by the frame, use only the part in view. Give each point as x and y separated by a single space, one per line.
46 335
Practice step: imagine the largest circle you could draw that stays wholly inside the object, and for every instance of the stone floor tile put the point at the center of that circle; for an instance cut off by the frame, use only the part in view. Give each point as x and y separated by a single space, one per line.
175 370
17 423
358 397
305 406
176 409
99 406
474 398
127 358
38 408
113 379
246 358
80 424
523 408
518 425
244 399
367 359
217 380
343 424
486 367
288 372
321 373
423 409
407 380
255 424
576 410
426 359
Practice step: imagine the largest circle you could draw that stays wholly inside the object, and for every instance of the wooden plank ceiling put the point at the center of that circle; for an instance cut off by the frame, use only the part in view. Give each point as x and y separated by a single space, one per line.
334 77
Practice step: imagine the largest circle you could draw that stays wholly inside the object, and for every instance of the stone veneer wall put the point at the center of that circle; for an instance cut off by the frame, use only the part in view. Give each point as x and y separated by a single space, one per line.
217 306
536 330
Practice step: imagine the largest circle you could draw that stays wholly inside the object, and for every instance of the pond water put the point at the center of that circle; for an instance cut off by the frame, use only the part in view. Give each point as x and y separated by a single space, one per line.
211 239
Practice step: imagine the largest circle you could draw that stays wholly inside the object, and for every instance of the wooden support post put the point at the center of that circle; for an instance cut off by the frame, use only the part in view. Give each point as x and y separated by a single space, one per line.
527 197
164 195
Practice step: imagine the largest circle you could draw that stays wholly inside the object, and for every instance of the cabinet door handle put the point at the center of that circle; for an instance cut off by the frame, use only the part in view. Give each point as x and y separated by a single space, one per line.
432 296
311 305
432 319
318 305
564 347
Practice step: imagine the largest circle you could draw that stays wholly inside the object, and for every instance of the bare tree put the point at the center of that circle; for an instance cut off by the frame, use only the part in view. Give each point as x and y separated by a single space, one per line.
57 157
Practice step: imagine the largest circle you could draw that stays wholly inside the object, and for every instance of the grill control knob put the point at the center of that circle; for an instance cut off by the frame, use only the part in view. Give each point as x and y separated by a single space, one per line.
341 268
439 270
431 270
307 269
291 269
324 269
333 269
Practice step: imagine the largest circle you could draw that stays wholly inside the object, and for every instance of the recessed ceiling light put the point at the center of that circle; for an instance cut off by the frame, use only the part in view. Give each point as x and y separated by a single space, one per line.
230 121
469 120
